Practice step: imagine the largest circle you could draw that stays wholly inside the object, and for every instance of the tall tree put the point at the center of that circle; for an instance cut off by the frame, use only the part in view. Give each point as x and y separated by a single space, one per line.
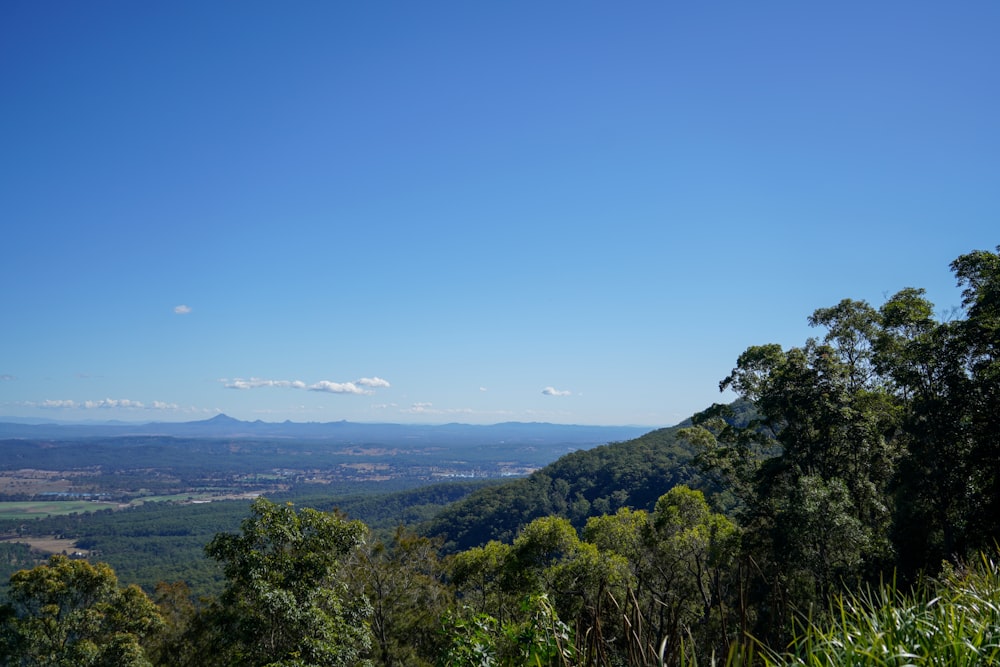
680 557
948 484
874 446
812 469
402 580
978 274
547 573
285 602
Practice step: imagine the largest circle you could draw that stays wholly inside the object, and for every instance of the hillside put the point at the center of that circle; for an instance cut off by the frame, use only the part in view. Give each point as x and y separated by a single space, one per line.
578 485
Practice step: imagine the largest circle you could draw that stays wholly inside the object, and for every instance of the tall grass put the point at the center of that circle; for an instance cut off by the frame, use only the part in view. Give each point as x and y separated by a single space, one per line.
953 621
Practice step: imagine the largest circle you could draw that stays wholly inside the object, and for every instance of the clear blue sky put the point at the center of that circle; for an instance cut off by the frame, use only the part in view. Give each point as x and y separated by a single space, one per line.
576 212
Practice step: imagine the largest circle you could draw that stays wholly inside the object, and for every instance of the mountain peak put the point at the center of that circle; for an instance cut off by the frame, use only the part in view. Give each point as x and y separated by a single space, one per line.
222 419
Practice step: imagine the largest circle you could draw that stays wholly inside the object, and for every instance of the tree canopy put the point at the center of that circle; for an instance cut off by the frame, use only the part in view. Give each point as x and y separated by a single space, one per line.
70 613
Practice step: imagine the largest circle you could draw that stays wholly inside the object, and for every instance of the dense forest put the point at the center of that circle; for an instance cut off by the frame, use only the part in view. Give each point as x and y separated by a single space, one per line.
843 512
160 541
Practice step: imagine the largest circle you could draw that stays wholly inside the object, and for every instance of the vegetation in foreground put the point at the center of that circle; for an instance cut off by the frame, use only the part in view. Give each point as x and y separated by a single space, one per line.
954 621
870 455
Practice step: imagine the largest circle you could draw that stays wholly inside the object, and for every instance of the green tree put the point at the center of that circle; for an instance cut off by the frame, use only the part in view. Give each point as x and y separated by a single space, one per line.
814 467
681 558
948 484
547 574
549 558
179 613
479 577
70 613
285 602
699 545
537 639
873 447
403 582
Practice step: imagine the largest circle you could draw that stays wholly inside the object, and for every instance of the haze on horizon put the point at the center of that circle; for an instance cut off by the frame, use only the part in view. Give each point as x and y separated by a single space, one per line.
459 212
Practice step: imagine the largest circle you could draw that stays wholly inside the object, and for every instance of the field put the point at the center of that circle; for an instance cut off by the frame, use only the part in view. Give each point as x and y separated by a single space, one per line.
32 482
48 545
32 509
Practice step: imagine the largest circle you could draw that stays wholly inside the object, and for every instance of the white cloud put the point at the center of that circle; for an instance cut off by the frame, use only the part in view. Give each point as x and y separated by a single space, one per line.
339 388
363 386
483 389
429 409
7 377
104 403
112 403
374 383
552 391
48 403
182 309
254 383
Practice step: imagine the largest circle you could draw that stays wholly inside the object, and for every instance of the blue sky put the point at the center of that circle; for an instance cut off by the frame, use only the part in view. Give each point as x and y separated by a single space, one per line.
572 212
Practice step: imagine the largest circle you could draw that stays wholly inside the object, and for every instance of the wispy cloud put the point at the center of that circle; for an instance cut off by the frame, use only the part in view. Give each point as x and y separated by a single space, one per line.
48 403
254 383
339 388
104 403
552 391
113 403
182 309
364 386
374 383
429 409
4 378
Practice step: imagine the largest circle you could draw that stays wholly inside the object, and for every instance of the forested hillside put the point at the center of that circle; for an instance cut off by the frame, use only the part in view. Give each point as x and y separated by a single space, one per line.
576 486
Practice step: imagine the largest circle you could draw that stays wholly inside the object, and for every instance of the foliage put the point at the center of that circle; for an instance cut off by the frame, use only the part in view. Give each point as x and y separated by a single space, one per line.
873 447
284 602
165 541
178 612
71 613
540 639
15 557
577 486
680 558
402 580
480 575
950 374
635 578
955 622
547 563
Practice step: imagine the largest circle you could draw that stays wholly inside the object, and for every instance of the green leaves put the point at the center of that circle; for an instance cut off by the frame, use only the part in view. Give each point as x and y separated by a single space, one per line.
70 612
954 622
284 603
538 638
885 426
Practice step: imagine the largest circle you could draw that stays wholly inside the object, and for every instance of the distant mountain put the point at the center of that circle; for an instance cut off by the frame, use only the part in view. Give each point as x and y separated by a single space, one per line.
343 432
